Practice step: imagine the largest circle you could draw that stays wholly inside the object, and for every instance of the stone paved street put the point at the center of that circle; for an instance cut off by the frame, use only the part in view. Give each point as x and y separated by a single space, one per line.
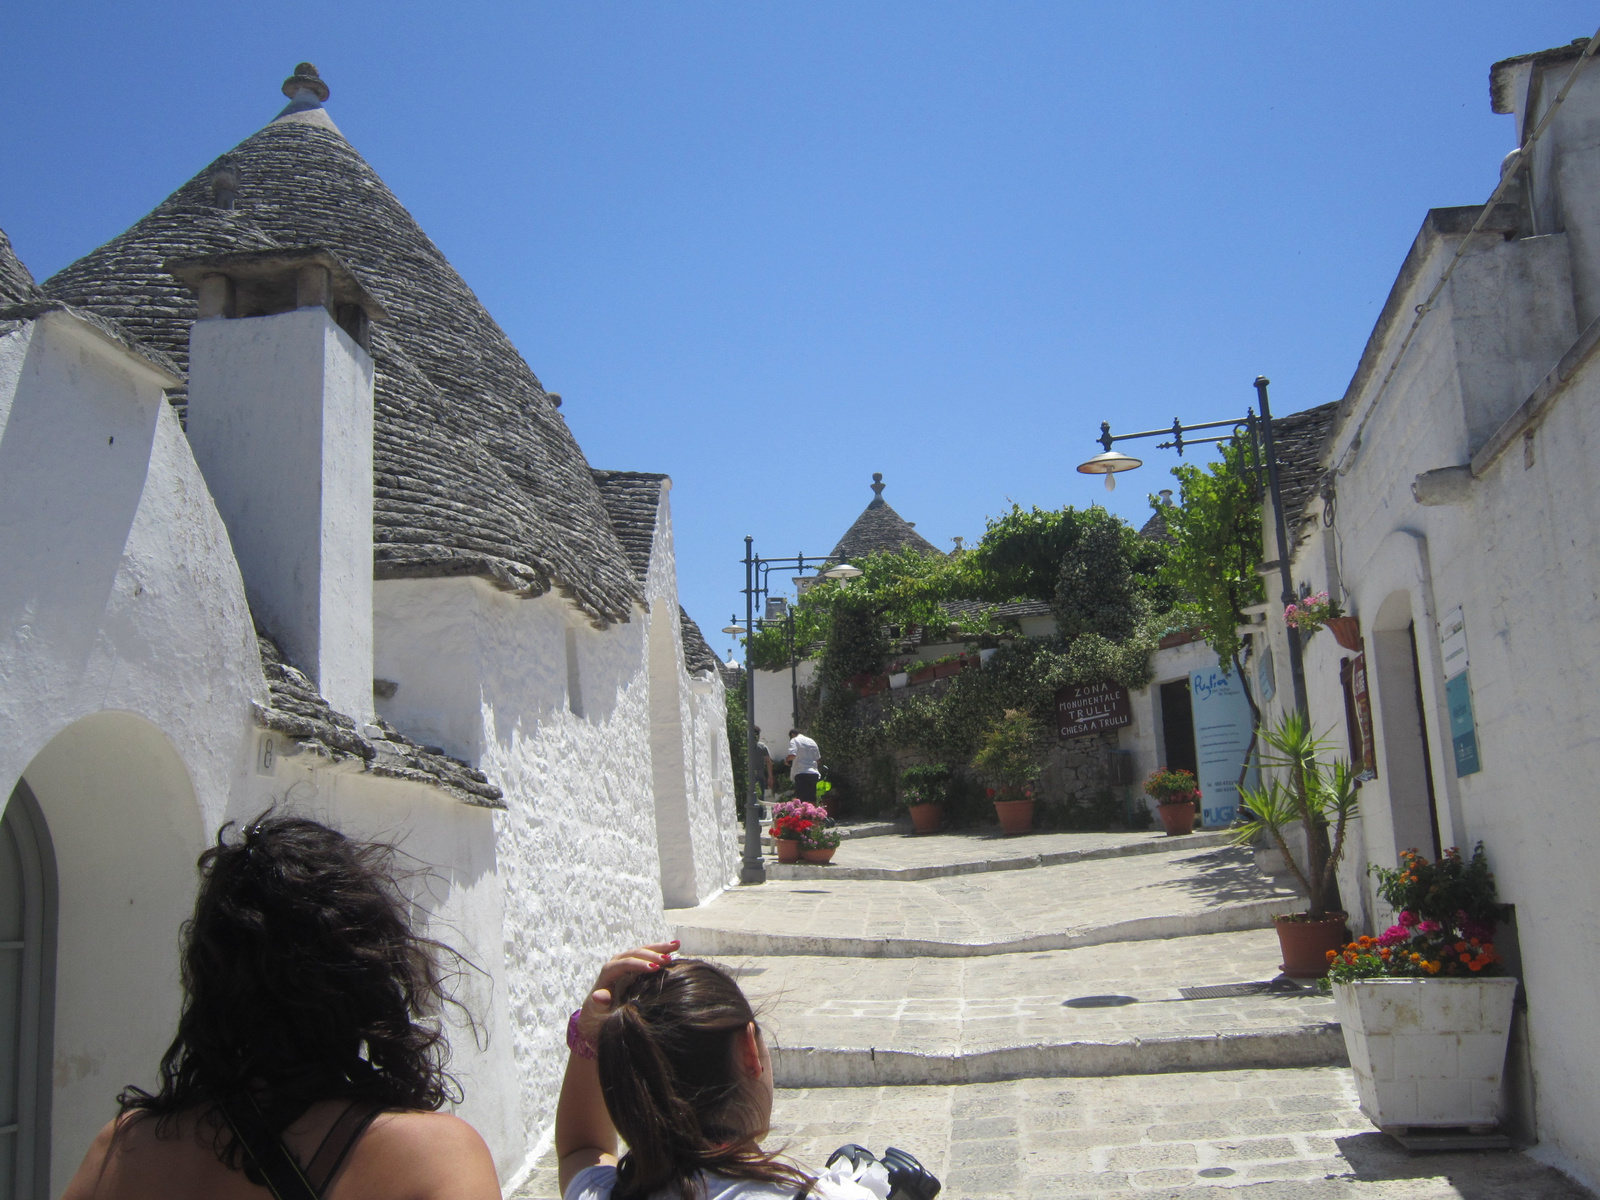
1024 1028
1046 908
1214 1135
1081 1004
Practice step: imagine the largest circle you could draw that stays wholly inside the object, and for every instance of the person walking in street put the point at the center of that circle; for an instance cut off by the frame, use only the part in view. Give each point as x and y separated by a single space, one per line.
309 1062
765 757
805 765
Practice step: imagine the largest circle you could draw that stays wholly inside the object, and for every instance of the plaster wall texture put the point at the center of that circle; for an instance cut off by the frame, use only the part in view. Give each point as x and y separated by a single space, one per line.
695 834
775 708
483 673
128 668
1145 736
280 418
1521 558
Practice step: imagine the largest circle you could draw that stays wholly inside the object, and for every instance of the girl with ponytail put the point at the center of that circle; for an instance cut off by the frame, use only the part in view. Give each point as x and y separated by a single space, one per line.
667 1053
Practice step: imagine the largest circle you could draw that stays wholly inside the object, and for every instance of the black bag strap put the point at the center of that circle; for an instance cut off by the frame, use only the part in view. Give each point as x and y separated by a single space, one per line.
340 1139
281 1173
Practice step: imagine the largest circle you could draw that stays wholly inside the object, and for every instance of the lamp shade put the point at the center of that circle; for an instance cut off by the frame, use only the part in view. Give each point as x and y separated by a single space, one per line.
1108 464
844 571
733 627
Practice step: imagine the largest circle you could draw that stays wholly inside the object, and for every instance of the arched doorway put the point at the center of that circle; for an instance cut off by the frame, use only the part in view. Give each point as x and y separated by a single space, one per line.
1407 766
113 802
27 997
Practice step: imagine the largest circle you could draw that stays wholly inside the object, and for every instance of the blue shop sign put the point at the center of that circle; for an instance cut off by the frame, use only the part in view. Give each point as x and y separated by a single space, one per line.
1463 730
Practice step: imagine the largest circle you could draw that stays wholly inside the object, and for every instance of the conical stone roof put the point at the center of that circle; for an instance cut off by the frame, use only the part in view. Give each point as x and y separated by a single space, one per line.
475 471
879 528
16 281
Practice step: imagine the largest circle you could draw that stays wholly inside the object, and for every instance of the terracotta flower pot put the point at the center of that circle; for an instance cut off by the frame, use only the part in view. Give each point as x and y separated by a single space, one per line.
1346 631
788 849
927 818
818 856
1178 816
1305 944
945 670
1016 816
926 675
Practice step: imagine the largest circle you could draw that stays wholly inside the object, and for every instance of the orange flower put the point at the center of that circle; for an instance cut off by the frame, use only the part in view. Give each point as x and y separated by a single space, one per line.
1461 947
1332 954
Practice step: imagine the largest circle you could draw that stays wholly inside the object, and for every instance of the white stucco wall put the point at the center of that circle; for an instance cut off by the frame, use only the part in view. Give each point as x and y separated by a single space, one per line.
576 846
1520 556
127 668
280 418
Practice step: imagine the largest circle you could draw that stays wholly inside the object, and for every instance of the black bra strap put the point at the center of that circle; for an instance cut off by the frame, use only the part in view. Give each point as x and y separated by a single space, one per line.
277 1166
341 1138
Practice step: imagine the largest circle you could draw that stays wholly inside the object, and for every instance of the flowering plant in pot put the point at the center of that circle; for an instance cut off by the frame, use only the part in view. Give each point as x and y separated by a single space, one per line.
922 791
1320 797
1311 613
1177 795
1432 977
791 820
1009 754
818 842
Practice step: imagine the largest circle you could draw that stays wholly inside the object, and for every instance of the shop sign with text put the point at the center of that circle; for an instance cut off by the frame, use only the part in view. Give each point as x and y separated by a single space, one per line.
1088 708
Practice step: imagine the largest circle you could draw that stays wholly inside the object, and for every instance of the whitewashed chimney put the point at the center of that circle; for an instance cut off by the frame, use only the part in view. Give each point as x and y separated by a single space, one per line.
280 419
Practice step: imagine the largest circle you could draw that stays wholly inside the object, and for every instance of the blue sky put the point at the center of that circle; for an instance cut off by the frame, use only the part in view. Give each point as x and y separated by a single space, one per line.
772 248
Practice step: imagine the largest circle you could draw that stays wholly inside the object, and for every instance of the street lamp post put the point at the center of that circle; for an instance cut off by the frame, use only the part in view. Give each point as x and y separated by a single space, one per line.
756 570
1110 462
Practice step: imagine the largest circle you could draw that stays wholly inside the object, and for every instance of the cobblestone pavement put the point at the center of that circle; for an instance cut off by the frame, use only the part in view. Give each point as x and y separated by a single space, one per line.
1043 908
1219 1135
909 852
1117 991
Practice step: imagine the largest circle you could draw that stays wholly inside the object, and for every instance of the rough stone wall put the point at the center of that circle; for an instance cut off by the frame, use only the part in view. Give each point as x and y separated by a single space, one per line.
576 846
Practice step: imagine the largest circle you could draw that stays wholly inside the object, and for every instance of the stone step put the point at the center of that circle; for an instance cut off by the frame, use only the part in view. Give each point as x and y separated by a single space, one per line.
846 868
1317 1045
1225 918
1115 1009
1086 903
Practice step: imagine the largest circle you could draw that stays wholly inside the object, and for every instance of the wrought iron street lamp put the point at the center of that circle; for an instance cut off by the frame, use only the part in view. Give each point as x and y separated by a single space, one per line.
1260 433
756 571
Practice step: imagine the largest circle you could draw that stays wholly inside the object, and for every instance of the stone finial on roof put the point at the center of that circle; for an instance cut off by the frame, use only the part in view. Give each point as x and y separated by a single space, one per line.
305 80
878 529
877 485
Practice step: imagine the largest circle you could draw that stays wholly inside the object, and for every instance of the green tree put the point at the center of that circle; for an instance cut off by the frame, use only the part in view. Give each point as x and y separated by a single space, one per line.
1214 558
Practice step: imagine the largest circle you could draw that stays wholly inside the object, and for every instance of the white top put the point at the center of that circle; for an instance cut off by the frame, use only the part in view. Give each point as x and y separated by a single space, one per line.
807 754
595 1183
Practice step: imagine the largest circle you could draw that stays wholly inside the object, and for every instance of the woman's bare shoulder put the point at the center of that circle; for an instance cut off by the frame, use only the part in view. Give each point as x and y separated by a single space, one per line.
418 1156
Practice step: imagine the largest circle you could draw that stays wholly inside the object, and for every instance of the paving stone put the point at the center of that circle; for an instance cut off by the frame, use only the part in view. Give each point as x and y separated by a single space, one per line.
1047 908
1142 1159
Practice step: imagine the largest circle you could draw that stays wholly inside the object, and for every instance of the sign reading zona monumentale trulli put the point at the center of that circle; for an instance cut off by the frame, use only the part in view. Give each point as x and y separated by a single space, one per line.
1088 708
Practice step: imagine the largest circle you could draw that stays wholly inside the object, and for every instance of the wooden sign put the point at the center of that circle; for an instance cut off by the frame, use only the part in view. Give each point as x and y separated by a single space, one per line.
1090 708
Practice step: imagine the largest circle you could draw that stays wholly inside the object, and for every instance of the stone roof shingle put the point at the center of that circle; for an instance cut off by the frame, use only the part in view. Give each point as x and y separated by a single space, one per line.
880 529
1298 440
633 500
697 654
475 471
299 711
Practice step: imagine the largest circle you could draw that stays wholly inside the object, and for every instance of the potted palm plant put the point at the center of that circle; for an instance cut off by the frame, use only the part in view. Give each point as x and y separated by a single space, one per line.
1320 798
1009 754
1177 796
922 791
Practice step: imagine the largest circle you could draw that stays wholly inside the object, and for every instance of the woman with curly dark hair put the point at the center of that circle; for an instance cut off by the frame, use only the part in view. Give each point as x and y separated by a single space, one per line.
309 1061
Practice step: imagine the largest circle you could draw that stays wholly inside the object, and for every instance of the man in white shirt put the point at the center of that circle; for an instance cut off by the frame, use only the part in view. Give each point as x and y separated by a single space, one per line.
805 761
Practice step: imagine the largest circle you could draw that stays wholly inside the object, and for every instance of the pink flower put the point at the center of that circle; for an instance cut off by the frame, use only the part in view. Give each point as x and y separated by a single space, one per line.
1393 935
1429 927
1408 919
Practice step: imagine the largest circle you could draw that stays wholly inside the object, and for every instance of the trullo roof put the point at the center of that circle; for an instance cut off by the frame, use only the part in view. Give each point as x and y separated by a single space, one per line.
475 471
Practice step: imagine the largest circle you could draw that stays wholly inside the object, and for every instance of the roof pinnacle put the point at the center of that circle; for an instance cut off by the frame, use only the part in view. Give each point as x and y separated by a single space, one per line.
877 485
305 84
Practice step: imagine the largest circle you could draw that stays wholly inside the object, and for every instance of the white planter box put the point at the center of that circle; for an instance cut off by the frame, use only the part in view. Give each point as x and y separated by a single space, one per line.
1427 1052
900 680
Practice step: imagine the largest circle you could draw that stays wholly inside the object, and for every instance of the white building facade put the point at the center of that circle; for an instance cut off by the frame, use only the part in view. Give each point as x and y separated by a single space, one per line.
1456 516
373 581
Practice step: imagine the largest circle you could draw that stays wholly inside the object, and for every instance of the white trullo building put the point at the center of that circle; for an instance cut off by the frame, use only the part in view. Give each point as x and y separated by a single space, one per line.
285 517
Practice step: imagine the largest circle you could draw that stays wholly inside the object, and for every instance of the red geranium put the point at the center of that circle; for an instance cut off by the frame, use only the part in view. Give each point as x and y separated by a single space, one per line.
790 828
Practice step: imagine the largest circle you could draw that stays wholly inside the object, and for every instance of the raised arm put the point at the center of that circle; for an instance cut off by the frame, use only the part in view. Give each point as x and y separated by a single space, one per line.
584 1133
